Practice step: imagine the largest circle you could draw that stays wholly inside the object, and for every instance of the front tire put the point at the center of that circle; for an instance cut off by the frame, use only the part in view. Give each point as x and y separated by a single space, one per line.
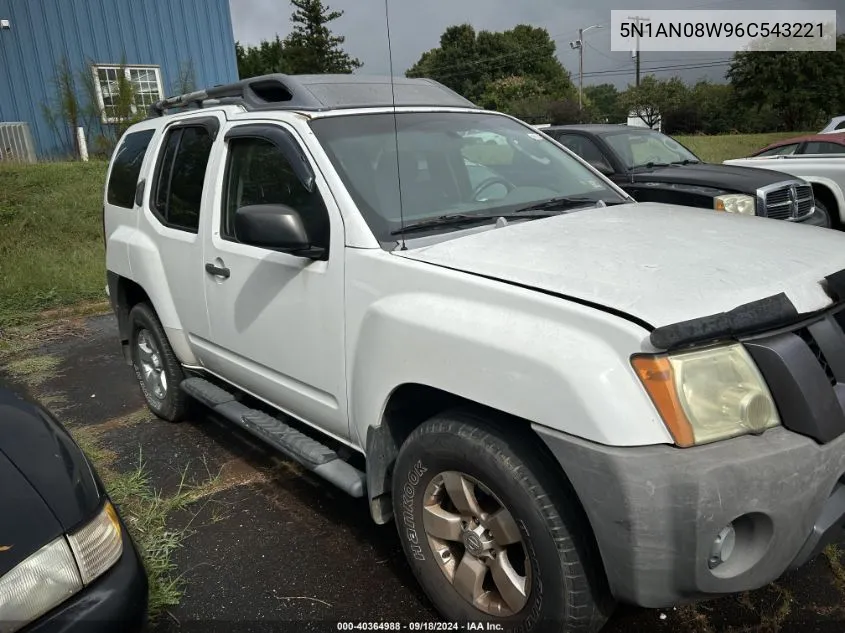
492 532
158 370
824 215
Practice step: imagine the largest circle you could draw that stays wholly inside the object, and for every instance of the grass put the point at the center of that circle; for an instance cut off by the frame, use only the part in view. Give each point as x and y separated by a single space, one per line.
715 149
711 149
33 370
147 513
51 244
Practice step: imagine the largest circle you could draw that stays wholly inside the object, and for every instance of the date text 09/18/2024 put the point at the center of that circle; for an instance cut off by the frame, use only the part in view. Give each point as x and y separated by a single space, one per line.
419 626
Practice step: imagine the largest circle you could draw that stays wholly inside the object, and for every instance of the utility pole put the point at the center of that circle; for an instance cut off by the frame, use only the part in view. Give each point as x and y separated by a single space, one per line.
636 52
579 44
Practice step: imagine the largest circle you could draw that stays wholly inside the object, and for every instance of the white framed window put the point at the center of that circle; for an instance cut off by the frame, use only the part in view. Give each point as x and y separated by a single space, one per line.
144 80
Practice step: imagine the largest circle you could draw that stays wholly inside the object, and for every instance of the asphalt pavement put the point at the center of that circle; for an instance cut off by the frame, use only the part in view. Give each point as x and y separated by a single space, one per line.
271 548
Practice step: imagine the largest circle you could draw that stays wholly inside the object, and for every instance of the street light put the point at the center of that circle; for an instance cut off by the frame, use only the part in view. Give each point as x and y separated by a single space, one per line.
579 45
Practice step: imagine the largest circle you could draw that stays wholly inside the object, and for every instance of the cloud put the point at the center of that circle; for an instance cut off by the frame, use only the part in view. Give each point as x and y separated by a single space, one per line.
416 27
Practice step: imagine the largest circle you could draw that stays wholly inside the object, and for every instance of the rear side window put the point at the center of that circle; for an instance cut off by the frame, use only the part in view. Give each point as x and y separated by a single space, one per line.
823 147
179 180
126 167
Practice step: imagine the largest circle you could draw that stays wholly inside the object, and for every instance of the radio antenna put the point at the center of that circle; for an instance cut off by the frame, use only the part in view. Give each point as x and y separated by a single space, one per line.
395 130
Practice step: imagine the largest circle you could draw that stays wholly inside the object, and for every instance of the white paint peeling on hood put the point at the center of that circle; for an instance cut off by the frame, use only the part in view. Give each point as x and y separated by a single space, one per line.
660 263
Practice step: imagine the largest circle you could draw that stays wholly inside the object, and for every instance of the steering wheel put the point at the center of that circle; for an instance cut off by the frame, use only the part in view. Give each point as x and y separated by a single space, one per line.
489 182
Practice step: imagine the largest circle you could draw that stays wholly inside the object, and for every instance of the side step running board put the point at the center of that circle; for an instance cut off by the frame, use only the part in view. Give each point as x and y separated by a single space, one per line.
319 459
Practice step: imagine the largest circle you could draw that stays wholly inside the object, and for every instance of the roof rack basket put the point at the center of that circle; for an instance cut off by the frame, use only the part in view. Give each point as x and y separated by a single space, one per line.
318 92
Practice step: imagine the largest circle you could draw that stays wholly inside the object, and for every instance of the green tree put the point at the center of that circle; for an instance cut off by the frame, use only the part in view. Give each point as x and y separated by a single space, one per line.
605 104
503 93
802 87
268 57
312 47
654 98
470 62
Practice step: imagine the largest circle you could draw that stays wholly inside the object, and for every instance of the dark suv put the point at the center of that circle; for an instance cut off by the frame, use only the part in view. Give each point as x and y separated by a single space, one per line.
654 167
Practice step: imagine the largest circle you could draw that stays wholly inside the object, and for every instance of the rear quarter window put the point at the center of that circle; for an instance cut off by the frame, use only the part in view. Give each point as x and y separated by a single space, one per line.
126 167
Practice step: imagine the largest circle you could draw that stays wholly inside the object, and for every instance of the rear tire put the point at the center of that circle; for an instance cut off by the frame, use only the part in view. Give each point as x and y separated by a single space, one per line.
492 532
158 370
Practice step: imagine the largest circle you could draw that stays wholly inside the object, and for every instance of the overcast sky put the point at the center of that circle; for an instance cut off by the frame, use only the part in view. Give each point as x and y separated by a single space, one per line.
416 27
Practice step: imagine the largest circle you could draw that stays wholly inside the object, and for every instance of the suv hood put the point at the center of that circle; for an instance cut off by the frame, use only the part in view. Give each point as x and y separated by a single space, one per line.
658 263
725 177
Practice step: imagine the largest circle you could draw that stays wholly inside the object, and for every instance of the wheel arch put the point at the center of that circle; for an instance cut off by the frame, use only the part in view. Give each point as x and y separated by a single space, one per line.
410 405
125 294
835 204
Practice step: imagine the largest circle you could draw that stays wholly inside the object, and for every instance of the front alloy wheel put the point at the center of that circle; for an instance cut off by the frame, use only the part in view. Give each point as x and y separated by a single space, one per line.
492 530
477 544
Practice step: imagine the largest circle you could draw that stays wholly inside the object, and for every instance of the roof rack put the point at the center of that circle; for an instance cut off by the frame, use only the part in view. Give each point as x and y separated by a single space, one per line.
318 93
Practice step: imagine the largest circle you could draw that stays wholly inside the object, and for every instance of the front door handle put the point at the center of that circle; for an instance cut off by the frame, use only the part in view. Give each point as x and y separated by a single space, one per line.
217 271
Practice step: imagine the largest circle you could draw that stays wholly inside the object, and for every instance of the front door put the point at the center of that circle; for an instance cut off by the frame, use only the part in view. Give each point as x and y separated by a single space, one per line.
276 318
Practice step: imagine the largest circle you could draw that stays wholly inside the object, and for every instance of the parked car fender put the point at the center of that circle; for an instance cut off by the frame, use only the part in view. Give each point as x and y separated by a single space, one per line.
148 271
831 188
555 363
819 170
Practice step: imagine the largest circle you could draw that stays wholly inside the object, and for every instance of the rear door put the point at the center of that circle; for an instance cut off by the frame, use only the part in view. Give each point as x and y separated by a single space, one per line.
176 199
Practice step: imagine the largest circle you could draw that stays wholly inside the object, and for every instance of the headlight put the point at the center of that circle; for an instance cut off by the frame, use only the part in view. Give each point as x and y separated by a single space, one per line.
736 203
708 395
58 570
36 585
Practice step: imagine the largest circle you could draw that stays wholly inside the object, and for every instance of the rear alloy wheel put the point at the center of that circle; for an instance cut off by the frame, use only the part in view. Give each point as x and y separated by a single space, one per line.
158 370
492 530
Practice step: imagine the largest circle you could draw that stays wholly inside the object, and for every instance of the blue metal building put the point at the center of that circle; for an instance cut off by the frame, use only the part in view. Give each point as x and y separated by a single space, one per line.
155 44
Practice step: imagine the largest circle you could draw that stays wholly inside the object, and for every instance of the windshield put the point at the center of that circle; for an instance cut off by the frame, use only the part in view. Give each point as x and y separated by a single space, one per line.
448 163
637 148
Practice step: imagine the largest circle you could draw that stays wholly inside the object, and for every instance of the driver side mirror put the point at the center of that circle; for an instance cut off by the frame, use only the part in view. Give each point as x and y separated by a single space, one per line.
276 227
602 167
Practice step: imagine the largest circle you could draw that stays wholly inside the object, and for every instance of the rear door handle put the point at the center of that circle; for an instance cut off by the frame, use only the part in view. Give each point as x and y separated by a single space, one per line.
217 271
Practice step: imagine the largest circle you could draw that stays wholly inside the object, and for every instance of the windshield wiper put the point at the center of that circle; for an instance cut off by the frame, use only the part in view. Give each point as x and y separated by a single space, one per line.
686 161
558 204
457 219
443 220
651 165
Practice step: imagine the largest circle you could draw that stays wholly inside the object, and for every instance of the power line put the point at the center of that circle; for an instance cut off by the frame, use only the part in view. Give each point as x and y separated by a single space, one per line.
618 72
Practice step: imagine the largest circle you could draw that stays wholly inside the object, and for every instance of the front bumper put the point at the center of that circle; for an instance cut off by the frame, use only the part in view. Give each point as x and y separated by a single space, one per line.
656 511
115 603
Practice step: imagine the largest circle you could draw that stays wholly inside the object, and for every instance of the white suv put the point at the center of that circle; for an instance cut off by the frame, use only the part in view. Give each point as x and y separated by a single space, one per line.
564 398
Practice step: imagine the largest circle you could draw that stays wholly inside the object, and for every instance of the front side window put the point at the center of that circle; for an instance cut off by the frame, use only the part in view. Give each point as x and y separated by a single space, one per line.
447 163
126 167
258 172
177 194
640 148
585 148
123 91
